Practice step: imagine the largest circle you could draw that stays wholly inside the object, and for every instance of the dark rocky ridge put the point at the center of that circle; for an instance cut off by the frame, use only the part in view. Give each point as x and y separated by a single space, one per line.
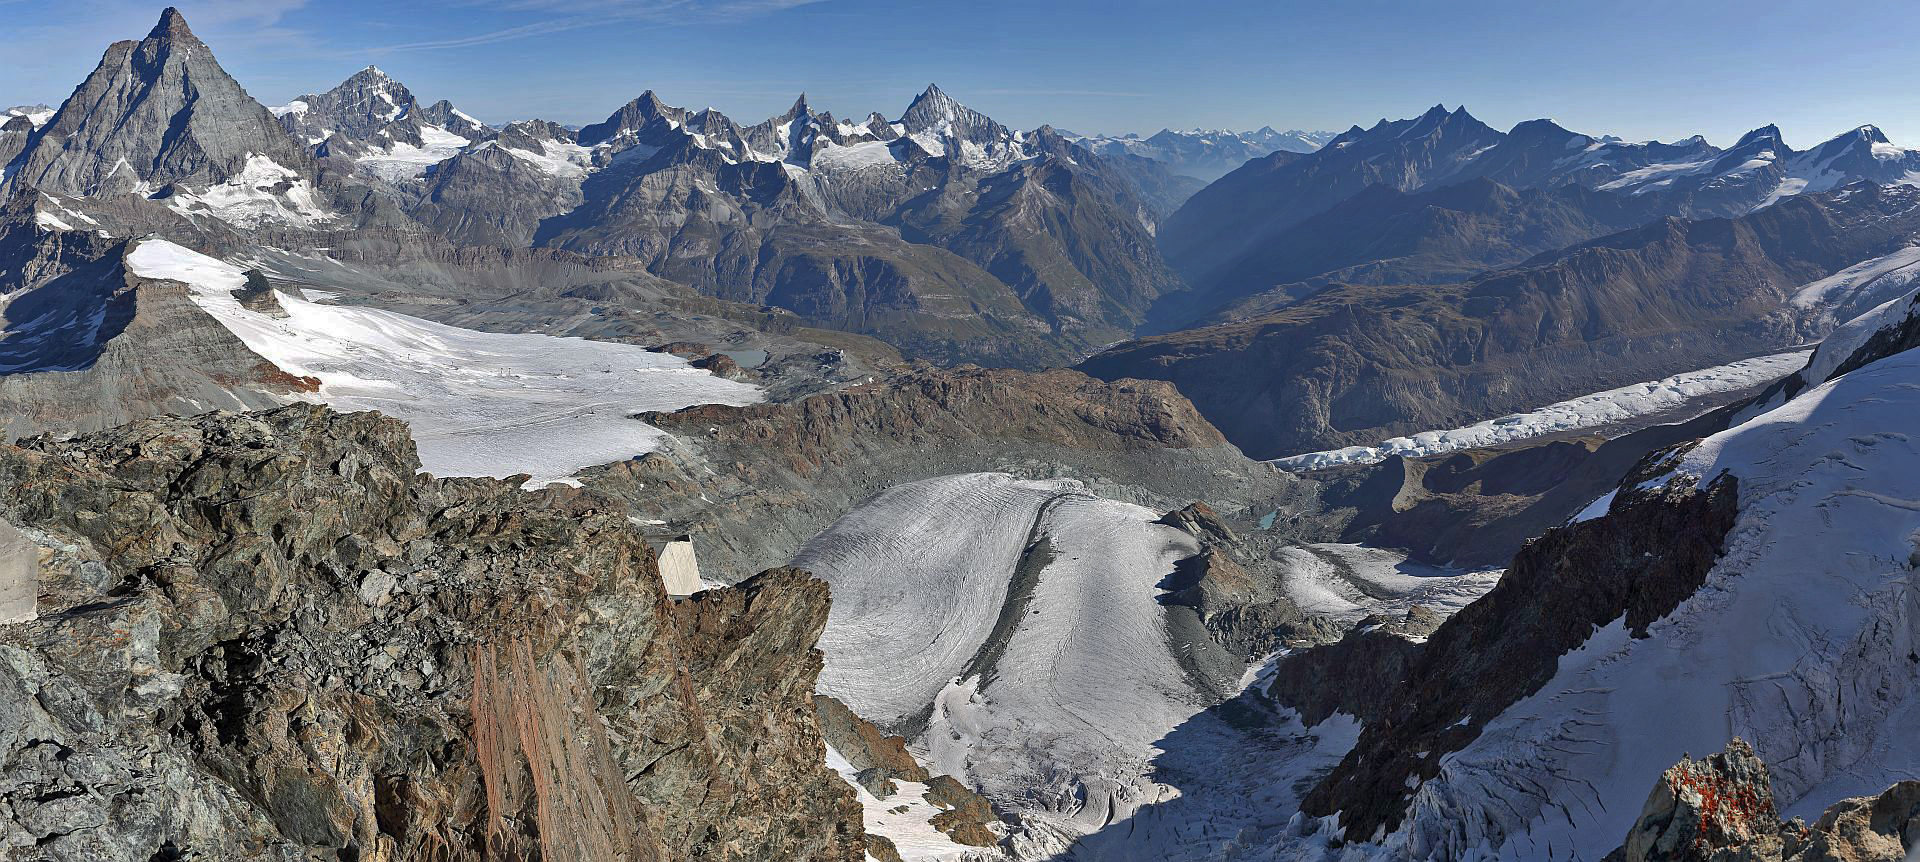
1651 551
265 635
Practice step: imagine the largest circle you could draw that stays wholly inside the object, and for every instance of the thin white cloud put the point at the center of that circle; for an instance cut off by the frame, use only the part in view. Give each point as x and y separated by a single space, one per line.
221 13
578 14
540 28
1112 94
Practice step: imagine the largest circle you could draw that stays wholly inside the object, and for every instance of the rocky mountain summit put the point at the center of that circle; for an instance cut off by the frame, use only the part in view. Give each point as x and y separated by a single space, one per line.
1722 807
1570 522
374 123
118 134
265 635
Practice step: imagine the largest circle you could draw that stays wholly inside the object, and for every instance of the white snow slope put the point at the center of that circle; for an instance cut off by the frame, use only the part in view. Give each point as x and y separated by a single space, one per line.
1587 411
904 818
481 404
1801 642
1084 718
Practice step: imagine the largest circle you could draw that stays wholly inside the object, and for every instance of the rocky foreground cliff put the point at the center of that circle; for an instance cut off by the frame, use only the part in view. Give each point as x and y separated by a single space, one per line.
264 636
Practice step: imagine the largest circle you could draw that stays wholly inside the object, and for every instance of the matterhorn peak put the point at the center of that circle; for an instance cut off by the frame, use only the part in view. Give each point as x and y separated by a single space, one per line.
173 25
152 114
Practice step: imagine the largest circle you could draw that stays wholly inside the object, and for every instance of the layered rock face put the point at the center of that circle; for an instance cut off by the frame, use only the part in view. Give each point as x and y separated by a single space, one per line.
265 637
87 344
1721 809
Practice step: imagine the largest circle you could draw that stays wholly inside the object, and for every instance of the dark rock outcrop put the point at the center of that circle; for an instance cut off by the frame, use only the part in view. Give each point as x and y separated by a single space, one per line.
258 295
265 636
1721 809
1650 552
883 760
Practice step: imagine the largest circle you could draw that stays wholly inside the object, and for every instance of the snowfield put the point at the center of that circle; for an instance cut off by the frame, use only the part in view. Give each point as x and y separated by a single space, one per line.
1588 411
481 404
1349 582
264 192
1013 630
400 162
1847 293
1801 642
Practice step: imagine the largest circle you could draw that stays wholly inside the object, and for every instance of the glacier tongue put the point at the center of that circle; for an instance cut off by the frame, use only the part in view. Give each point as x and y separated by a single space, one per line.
1069 714
1014 631
919 574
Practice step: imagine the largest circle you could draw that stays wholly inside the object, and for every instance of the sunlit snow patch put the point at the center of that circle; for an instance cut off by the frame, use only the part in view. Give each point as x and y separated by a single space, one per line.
1587 411
904 818
265 191
401 161
480 403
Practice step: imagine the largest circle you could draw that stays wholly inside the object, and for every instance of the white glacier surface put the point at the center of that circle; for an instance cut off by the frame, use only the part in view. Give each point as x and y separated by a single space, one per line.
1588 411
480 403
1800 641
1014 630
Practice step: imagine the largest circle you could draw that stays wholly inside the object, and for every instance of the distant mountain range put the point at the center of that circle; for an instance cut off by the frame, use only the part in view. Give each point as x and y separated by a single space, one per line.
296 633
946 233
1206 154
1217 238
942 230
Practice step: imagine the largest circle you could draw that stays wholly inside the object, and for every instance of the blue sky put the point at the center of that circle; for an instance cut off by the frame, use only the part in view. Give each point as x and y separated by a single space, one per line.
1636 69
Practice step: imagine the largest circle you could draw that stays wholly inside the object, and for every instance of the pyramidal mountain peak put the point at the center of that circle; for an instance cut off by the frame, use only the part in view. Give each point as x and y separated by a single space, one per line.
172 25
1767 135
176 117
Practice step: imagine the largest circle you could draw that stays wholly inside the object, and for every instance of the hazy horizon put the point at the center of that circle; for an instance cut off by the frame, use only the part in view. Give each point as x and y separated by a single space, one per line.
1105 68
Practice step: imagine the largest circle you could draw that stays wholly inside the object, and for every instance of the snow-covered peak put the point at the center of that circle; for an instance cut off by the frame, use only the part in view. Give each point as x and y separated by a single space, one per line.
1765 136
933 111
1202 154
37 115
